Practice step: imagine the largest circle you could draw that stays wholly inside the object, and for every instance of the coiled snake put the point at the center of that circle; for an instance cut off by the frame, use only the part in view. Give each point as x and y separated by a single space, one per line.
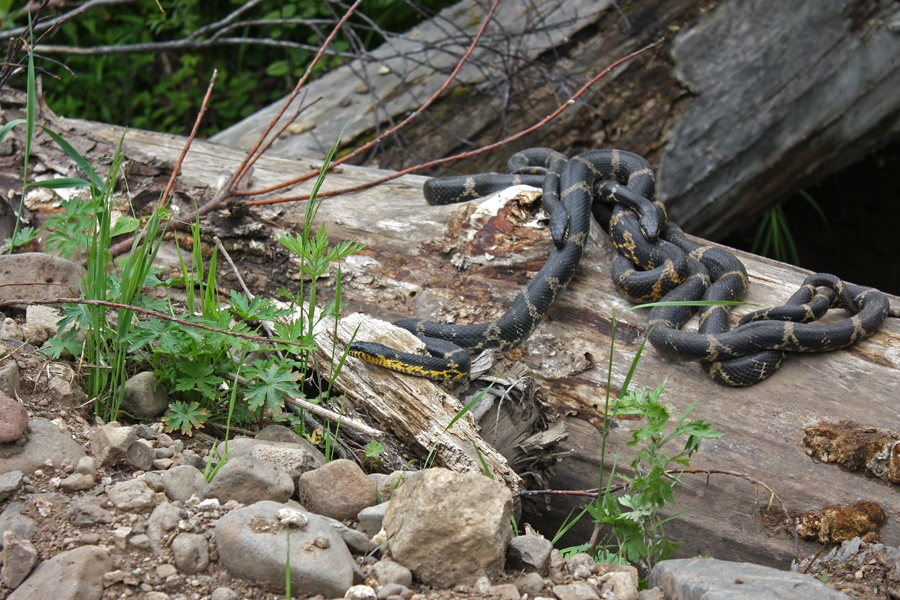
655 262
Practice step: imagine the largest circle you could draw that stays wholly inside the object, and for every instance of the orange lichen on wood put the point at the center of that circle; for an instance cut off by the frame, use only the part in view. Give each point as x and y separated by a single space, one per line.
857 448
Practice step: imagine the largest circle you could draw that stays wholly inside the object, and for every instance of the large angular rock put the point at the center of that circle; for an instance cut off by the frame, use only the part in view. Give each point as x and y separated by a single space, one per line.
110 443
73 575
40 275
246 479
304 455
13 419
45 442
144 397
438 514
338 490
252 545
711 579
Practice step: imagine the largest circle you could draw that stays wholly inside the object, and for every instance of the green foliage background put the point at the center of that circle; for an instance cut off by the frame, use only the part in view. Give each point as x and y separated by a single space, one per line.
162 91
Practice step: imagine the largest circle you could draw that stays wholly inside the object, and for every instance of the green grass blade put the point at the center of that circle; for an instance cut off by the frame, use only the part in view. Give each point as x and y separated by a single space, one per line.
83 164
9 126
59 183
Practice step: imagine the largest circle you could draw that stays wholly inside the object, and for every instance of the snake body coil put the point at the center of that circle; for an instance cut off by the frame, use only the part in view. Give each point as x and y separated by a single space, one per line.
655 261
576 189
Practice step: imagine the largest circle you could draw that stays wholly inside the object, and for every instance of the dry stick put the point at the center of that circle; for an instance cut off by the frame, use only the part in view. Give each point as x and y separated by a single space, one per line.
400 125
149 313
188 142
251 159
237 274
483 149
333 416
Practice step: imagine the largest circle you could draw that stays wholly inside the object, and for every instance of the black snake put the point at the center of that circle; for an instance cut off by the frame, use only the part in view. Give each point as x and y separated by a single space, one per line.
655 262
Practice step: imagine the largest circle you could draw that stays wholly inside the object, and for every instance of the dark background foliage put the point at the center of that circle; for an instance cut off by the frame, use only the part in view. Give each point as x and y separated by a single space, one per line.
162 90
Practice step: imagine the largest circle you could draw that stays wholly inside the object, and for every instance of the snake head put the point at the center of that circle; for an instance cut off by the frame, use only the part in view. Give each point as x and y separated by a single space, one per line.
650 226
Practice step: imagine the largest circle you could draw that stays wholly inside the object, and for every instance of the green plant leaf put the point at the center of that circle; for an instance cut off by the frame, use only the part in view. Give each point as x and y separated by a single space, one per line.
185 417
269 387
124 224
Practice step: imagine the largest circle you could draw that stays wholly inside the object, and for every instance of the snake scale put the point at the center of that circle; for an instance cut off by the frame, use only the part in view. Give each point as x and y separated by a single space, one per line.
655 261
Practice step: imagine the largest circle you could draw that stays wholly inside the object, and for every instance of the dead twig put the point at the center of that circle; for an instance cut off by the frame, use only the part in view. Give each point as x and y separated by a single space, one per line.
471 153
343 420
396 127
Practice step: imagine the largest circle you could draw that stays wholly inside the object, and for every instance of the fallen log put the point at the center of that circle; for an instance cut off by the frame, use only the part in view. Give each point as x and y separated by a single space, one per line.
739 109
458 263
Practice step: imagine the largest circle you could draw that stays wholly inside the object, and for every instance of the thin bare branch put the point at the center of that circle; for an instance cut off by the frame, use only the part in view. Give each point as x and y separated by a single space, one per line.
47 24
412 116
455 157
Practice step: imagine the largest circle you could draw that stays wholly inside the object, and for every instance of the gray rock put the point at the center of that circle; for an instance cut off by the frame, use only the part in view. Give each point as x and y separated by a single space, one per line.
58 277
529 553
388 484
360 592
357 542
73 575
191 552
438 513
163 520
9 378
247 480
224 593
140 456
252 545
45 442
9 483
339 489
66 392
76 482
183 481
371 518
293 461
145 432
140 541
530 583
279 433
241 446
9 329
144 398
36 333
711 579
392 589
624 584
41 315
156 596
19 558
86 466
13 520
387 572
110 443
13 419
190 458
131 496
86 511
651 594
575 591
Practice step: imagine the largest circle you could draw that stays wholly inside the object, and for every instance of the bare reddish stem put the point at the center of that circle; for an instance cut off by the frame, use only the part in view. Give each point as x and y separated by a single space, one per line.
476 152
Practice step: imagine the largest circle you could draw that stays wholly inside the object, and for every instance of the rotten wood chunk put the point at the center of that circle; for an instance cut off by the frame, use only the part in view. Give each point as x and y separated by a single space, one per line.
832 524
857 448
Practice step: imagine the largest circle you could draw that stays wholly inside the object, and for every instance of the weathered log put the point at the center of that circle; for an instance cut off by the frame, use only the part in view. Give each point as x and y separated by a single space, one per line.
745 104
455 263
